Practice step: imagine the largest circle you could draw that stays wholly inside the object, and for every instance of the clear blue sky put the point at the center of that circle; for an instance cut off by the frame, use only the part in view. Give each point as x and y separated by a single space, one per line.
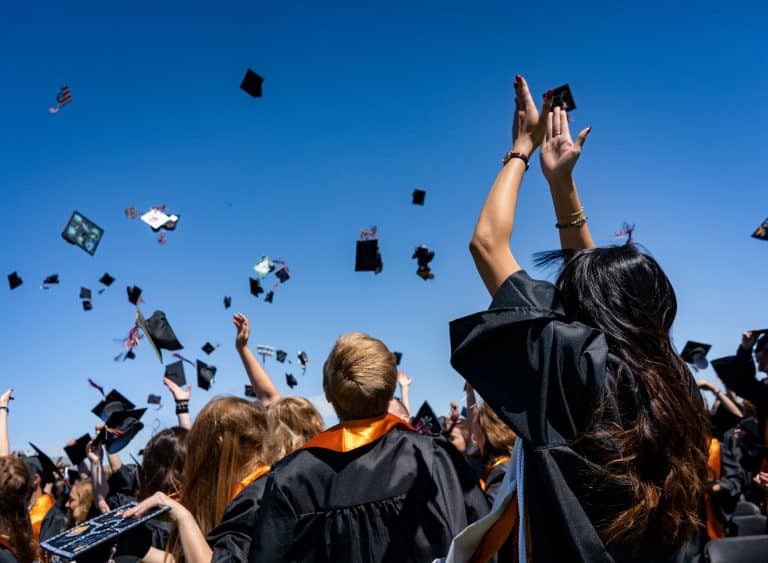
363 102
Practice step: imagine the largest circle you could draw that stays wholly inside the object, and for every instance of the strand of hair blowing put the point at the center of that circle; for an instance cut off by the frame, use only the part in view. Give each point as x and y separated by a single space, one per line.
14 518
659 457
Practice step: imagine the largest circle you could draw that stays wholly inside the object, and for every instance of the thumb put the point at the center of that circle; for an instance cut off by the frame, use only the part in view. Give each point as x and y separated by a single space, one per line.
583 137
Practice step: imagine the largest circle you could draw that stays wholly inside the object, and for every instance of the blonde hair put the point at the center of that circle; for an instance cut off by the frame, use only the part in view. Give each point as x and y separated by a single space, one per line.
292 421
84 492
499 438
359 376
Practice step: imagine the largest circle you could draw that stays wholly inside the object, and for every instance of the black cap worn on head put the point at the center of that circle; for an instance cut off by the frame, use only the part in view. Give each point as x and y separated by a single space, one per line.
398 356
281 355
563 98
175 372
85 293
368 257
134 294
256 288
153 399
269 296
208 348
52 279
82 232
113 402
290 380
418 197
762 231
249 392
695 353
14 280
283 275
106 279
227 302
425 421
158 331
76 452
87 305
121 427
49 469
252 83
205 375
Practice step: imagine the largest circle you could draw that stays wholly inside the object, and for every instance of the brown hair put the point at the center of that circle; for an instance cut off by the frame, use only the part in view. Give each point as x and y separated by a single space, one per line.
225 443
15 489
499 438
292 421
359 376
83 490
163 462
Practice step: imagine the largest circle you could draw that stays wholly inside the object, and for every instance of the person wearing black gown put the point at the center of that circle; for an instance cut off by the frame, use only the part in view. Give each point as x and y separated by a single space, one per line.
611 455
371 488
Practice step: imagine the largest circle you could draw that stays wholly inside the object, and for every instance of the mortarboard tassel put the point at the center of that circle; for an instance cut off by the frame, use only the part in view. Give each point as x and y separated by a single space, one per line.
62 98
182 358
95 385
626 231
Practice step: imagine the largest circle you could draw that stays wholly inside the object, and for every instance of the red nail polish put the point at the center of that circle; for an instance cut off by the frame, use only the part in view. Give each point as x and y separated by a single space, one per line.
549 94
518 79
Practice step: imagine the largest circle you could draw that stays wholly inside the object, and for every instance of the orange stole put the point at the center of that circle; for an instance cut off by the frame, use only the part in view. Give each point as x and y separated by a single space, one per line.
715 526
354 434
257 473
38 511
489 468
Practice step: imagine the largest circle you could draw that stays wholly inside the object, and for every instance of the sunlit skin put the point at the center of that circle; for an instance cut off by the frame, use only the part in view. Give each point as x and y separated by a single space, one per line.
456 438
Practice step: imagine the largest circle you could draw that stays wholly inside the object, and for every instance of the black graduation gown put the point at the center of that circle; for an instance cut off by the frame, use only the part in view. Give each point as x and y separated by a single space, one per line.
7 556
231 539
545 378
400 498
493 481
738 373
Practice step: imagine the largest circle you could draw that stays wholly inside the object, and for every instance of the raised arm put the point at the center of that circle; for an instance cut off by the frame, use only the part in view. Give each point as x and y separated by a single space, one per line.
720 398
5 443
100 486
559 153
490 242
405 384
262 384
181 398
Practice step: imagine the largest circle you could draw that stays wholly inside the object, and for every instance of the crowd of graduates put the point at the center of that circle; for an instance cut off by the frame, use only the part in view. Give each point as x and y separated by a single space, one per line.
589 441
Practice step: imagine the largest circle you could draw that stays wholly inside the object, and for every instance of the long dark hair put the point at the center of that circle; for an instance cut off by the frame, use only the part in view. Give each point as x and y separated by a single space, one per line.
163 462
658 454
15 489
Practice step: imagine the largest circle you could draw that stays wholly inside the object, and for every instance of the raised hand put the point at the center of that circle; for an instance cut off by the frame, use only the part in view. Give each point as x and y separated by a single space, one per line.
243 330
559 152
748 340
403 379
6 397
528 128
179 393
705 385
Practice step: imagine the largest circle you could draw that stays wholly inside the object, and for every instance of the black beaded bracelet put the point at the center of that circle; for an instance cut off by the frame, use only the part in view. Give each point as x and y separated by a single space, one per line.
182 407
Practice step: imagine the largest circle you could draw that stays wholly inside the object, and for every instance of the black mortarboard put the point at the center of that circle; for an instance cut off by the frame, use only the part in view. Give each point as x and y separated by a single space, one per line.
368 257
175 372
49 468
52 279
249 392
418 197
73 476
87 305
158 331
82 232
423 255
208 348
398 356
290 380
121 428
283 275
563 98
281 355
256 288
695 353
303 359
205 375
113 402
106 279
252 83
14 280
227 302
129 355
85 293
76 452
153 399
134 294
426 421
762 231
269 296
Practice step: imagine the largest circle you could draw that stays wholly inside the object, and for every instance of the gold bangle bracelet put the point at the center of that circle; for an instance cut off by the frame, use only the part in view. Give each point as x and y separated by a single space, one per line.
570 217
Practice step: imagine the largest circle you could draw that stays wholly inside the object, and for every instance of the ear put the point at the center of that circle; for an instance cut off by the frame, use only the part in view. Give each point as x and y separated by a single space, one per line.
37 482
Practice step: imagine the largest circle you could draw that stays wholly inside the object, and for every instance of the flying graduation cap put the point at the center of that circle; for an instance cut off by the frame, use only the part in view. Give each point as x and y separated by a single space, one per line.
159 332
695 354
14 280
106 280
303 359
227 302
208 348
205 375
423 257
281 355
251 83
269 297
418 197
134 294
175 372
563 98
46 468
367 254
153 399
121 421
75 450
290 380
256 288
63 98
85 293
249 392
398 356
761 232
264 266
50 280
83 233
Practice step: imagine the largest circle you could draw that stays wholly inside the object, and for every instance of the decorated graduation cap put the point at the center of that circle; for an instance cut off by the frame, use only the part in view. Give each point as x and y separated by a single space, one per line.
426 421
695 354
82 232
249 392
208 348
134 294
251 83
47 469
290 380
418 197
761 232
175 372
227 302
367 254
281 355
76 450
51 280
158 331
205 375
563 98
264 266
14 280
256 288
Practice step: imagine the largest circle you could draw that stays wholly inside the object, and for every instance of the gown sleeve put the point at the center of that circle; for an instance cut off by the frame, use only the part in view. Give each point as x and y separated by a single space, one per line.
274 534
543 376
231 540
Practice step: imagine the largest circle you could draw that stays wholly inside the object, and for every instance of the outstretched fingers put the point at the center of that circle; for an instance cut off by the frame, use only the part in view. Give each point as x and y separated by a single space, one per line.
582 136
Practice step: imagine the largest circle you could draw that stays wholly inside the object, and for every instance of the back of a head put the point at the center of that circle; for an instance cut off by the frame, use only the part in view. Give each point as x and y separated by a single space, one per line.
163 462
499 438
292 421
15 490
359 376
